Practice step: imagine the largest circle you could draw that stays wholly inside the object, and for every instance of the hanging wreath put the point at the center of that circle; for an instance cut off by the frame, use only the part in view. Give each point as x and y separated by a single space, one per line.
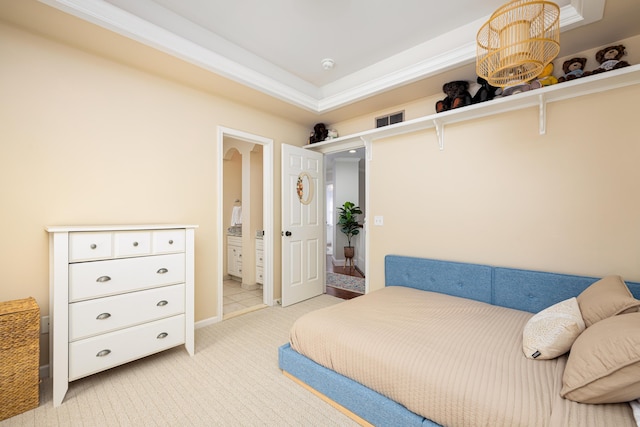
300 188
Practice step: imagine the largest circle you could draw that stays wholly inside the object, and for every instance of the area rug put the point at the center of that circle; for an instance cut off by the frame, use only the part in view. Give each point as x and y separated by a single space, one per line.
342 281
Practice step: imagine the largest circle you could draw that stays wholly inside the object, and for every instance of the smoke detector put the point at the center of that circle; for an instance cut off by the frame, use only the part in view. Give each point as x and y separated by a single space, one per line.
328 63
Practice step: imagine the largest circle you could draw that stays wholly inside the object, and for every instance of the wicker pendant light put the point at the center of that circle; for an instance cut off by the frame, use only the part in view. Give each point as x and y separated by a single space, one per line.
518 41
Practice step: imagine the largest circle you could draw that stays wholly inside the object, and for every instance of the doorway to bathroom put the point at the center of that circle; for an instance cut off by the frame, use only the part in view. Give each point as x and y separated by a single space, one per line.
245 222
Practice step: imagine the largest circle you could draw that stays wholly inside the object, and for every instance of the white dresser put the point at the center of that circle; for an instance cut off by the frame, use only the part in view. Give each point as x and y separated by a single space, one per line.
117 293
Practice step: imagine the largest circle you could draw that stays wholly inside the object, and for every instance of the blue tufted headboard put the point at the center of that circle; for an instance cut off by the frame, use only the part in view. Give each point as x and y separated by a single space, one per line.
520 289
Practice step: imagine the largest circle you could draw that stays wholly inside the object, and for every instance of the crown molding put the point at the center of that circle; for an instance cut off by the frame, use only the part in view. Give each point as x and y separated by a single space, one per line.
444 53
105 15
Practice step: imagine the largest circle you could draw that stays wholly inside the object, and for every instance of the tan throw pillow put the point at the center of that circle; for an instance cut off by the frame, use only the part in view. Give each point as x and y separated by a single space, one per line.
607 297
604 363
551 332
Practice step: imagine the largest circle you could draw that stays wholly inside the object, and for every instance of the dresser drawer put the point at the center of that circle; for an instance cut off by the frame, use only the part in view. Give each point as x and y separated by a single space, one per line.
234 241
101 278
85 246
96 316
131 243
168 241
96 354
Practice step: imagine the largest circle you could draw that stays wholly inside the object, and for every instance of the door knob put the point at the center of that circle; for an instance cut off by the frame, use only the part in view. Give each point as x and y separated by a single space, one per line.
287 233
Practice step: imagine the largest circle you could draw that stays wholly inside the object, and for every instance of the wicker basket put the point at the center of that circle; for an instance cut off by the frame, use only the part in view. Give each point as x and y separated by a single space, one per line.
19 356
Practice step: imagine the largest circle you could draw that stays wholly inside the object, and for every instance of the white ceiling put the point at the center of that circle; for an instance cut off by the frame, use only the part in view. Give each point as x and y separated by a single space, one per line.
296 35
276 46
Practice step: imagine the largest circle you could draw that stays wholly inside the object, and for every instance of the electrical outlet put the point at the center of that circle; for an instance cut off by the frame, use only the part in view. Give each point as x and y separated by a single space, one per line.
378 220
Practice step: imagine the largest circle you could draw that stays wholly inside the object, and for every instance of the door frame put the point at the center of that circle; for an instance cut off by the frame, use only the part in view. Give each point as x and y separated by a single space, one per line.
329 148
267 210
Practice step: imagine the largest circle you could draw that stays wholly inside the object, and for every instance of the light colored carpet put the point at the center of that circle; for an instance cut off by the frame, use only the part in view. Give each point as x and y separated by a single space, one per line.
233 380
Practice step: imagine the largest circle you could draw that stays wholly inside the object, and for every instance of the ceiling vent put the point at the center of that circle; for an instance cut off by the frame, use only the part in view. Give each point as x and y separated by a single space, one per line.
390 119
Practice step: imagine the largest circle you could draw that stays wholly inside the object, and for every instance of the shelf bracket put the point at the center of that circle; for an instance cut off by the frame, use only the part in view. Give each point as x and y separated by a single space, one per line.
439 133
543 115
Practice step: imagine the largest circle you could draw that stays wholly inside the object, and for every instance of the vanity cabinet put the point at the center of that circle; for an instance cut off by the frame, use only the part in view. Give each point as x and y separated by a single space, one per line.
117 294
259 262
234 256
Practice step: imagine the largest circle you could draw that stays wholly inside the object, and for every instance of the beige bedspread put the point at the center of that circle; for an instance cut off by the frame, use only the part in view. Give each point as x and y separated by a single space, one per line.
454 361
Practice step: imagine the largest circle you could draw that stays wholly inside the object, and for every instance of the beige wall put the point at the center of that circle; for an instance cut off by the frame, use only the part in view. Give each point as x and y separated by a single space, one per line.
85 140
502 194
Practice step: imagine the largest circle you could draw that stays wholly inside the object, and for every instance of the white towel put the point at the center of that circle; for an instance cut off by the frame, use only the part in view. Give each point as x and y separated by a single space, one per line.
236 215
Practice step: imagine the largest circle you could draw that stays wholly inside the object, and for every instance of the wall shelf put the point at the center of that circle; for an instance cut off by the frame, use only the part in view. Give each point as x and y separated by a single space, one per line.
539 97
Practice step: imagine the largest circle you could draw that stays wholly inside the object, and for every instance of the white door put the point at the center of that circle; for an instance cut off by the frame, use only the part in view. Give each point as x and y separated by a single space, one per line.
303 227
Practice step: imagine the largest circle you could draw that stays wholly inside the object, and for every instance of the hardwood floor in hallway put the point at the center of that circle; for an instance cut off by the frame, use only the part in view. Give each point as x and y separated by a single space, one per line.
339 269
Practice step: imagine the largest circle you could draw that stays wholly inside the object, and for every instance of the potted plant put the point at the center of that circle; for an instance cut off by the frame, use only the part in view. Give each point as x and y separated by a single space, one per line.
348 223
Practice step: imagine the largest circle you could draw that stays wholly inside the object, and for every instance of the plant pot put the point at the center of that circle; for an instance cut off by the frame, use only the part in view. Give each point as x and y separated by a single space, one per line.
349 252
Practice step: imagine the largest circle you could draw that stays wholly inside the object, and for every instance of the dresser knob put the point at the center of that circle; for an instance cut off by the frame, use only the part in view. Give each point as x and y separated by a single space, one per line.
162 271
103 316
135 244
171 242
163 335
93 246
103 353
162 303
103 279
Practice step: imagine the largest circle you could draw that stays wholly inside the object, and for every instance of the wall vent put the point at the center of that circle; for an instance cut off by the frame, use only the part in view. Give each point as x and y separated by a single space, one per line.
390 119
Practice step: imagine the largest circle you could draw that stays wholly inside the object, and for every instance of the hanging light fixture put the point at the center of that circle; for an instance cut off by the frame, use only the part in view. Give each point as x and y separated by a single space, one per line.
518 41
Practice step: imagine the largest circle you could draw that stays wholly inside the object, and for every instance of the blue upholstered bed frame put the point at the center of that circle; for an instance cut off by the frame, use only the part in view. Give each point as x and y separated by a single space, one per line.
519 289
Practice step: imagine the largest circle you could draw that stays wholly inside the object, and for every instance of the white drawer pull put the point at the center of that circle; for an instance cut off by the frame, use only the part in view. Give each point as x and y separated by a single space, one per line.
93 246
162 335
162 271
103 316
162 303
103 353
103 279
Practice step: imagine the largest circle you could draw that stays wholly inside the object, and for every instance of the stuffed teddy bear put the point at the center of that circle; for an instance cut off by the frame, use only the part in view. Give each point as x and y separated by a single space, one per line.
521 87
319 133
573 69
516 85
457 96
481 91
609 59
546 77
